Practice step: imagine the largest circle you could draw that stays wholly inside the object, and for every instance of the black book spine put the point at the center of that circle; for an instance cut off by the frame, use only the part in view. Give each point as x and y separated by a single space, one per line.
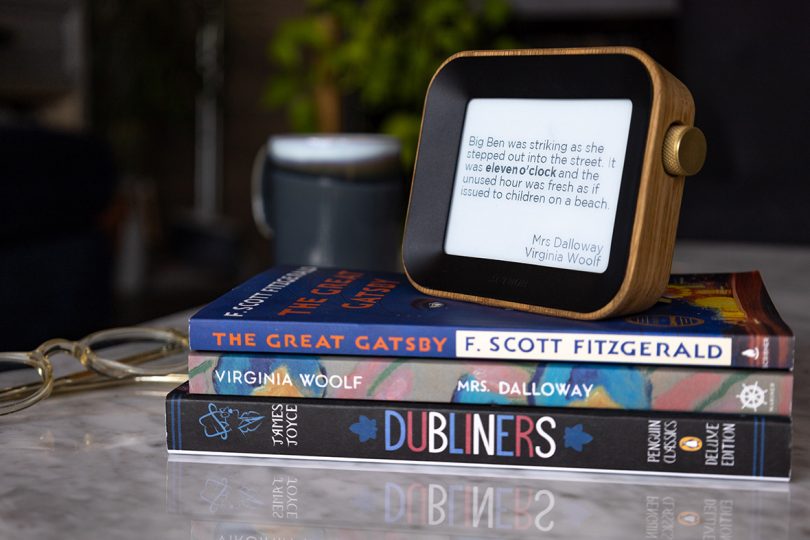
656 443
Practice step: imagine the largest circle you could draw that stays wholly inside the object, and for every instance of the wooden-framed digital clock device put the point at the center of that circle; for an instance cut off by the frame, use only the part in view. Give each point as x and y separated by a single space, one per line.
550 180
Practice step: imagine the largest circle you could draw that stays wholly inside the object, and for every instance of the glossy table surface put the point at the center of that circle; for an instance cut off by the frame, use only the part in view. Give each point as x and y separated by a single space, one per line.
94 465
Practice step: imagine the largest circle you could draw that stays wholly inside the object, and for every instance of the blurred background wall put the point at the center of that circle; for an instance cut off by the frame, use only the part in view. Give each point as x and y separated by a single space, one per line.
128 129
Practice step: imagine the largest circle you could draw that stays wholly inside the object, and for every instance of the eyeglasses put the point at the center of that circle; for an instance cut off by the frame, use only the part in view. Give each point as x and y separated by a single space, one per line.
101 370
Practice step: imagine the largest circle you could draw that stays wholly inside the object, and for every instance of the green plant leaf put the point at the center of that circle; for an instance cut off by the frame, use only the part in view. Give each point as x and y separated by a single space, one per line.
301 114
379 52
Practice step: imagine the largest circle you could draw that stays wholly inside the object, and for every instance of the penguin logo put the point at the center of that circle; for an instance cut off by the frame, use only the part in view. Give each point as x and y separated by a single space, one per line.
690 444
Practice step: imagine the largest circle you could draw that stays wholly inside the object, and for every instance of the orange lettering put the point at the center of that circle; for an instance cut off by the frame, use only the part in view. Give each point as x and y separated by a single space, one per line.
272 341
306 342
362 343
289 341
250 340
380 344
326 291
219 336
349 305
440 343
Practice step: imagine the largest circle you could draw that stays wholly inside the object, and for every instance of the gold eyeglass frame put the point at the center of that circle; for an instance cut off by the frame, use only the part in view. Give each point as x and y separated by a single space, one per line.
100 371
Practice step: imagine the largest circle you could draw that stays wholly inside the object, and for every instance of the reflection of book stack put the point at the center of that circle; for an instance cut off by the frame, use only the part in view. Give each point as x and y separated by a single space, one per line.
297 499
353 365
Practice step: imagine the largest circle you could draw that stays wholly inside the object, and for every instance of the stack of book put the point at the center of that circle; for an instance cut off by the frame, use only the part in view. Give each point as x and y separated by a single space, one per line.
349 365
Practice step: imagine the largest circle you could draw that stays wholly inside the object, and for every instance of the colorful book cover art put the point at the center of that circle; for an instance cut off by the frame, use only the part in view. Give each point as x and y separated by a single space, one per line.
718 445
702 320
533 384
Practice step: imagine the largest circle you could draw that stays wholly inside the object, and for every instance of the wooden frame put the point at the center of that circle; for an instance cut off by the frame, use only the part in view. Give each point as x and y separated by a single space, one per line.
656 210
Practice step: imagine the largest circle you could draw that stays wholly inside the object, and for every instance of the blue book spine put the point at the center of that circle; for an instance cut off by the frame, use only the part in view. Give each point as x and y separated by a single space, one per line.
326 338
720 320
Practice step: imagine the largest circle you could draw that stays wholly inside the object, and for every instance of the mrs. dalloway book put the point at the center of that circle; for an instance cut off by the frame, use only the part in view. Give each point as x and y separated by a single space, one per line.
581 385
717 320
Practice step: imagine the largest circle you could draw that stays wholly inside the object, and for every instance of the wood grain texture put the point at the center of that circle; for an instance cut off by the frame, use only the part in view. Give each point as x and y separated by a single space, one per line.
659 197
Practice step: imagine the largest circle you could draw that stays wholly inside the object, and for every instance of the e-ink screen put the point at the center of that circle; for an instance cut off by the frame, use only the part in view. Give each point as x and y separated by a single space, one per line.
537 181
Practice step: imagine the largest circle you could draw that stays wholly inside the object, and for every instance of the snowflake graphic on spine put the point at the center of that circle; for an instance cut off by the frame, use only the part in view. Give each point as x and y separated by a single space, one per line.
752 396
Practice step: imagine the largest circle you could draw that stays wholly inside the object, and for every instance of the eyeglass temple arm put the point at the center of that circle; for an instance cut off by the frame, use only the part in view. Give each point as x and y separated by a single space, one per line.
86 380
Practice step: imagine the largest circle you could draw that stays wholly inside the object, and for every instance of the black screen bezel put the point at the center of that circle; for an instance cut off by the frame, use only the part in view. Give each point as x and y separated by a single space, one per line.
596 76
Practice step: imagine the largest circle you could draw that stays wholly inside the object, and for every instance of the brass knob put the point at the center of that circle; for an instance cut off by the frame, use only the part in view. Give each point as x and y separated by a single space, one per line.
684 150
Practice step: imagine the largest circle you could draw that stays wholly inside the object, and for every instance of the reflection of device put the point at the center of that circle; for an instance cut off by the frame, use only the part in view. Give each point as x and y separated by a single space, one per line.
550 180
